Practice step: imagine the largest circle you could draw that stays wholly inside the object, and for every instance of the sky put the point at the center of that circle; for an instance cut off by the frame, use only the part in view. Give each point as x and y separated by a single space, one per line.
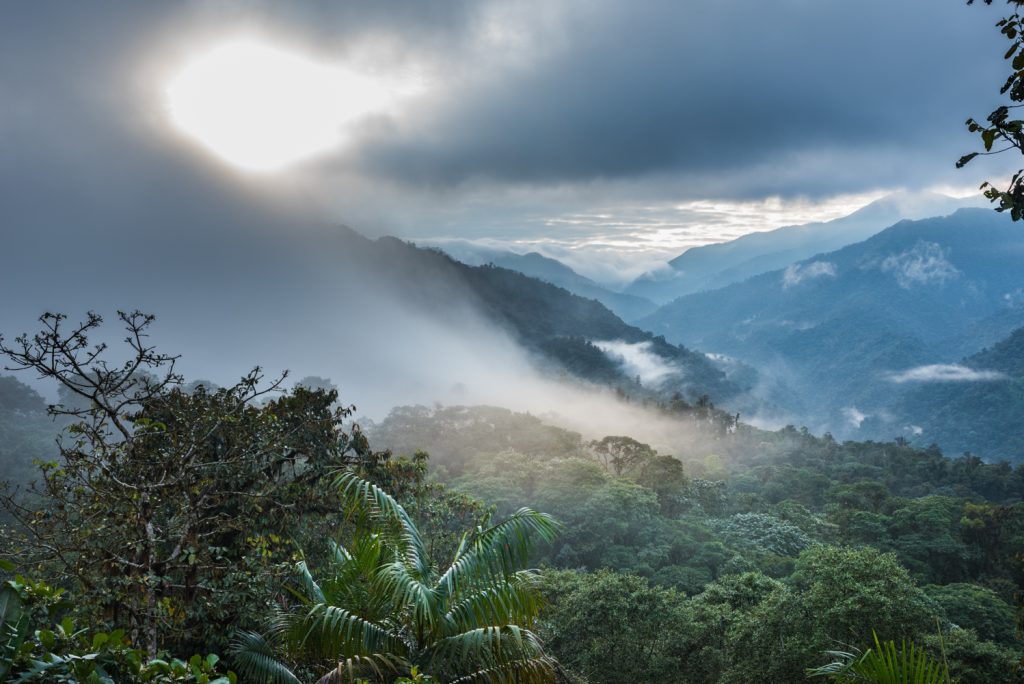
171 157
610 132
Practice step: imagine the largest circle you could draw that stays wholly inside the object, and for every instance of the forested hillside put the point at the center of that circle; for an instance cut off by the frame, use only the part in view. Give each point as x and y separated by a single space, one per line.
257 526
759 549
977 417
849 331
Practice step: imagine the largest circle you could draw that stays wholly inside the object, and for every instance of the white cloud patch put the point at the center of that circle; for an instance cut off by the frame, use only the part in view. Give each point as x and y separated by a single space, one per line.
854 415
638 360
925 263
944 372
797 273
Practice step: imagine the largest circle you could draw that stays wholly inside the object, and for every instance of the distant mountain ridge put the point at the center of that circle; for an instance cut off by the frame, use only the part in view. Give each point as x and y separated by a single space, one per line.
718 265
840 326
536 265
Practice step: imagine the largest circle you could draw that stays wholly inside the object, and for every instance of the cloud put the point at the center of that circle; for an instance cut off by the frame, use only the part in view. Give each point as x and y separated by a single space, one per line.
638 360
533 114
923 264
797 273
684 104
854 416
941 372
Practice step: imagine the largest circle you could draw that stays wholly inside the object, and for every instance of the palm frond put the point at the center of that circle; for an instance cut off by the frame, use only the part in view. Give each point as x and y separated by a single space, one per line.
487 647
365 496
357 667
539 670
396 581
312 591
500 550
254 659
884 664
332 631
513 602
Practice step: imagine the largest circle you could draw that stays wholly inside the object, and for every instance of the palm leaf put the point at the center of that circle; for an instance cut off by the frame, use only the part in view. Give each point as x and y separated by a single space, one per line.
884 664
486 648
333 631
312 591
499 550
513 602
355 668
13 626
540 670
364 496
405 589
255 661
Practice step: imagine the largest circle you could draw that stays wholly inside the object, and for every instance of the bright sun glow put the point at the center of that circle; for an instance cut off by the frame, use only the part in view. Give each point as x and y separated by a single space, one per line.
261 108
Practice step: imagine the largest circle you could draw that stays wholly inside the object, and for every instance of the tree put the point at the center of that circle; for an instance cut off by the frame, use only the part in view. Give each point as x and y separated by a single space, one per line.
1001 133
381 608
42 643
172 511
315 382
971 606
14 396
835 596
621 454
608 627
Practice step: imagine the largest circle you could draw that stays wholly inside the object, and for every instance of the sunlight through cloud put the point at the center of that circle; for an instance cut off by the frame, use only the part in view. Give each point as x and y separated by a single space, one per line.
262 108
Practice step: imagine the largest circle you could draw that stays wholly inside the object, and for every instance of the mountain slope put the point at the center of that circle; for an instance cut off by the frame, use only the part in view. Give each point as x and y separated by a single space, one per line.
628 307
982 416
838 326
556 325
714 266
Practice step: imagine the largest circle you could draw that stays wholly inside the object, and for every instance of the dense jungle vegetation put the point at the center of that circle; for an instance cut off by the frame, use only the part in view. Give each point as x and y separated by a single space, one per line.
256 526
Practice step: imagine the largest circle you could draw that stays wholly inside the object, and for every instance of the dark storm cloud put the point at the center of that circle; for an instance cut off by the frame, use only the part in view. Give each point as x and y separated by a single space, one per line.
734 98
874 89
644 101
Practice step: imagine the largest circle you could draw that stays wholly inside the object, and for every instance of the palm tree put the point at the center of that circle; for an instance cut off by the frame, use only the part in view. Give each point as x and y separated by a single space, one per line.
381 608
884 664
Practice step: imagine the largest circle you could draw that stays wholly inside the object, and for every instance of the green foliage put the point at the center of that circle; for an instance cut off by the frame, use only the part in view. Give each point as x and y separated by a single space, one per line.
972 660
594 619
884 663
382 607
171 512
763 534
835 596
44 644
174 519
971 606
911 515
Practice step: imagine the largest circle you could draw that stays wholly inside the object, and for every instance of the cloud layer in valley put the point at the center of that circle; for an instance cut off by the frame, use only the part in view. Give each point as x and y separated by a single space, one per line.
944 372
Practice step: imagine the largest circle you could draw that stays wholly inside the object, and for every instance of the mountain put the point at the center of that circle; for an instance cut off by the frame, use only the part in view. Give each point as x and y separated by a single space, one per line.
570 333
981 416
533 264
714 266
851 330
